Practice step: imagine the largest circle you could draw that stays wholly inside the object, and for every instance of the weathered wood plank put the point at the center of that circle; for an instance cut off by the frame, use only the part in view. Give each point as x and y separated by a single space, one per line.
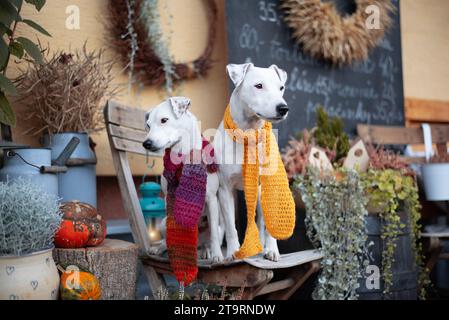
127 133
132 146
422 110
400 135
125 116
129 193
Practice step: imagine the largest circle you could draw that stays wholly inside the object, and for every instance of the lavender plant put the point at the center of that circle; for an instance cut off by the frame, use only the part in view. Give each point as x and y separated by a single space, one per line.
29 217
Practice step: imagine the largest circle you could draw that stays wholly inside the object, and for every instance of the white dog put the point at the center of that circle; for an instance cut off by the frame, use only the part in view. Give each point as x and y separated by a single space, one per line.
172 125
257 97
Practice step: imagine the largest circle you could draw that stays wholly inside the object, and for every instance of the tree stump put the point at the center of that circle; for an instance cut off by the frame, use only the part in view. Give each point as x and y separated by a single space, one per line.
114 263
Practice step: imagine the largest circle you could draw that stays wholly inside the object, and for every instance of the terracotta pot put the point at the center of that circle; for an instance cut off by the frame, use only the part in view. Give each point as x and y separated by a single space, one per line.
29 277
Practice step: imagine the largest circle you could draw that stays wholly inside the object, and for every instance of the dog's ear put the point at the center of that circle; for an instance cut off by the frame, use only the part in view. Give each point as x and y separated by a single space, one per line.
147 116
179 105
237 72
281 73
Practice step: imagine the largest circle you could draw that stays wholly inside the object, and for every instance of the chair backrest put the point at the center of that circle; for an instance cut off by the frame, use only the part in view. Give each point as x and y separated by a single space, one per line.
126 132
402 136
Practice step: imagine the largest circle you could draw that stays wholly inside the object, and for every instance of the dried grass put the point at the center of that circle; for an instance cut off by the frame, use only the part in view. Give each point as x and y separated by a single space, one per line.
65 92
326 35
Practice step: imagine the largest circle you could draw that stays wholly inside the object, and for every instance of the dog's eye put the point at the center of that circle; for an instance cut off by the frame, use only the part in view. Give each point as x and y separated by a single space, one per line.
164 120
282 88
259 86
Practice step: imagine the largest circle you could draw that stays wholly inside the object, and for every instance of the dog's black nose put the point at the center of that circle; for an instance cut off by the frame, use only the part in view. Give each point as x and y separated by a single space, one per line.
147 144
282 109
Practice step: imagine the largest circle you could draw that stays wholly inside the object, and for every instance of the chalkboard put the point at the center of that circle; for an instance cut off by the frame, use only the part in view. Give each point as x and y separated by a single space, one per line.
369 92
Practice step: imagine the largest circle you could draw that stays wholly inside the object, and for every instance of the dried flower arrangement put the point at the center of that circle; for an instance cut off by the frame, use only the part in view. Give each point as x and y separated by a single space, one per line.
29 217
63 94
328 134
323 33
137 37
295 154
388 187
384 159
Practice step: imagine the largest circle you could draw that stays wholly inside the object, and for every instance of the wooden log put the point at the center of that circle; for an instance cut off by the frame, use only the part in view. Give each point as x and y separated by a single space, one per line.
114 263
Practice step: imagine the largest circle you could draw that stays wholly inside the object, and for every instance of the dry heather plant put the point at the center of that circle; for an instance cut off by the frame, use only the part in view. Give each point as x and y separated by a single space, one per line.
64 93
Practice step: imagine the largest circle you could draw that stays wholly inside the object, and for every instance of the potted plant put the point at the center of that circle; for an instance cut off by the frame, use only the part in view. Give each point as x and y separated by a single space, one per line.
17 46
394 212
328 134
335 220
386 200
29 218
63 95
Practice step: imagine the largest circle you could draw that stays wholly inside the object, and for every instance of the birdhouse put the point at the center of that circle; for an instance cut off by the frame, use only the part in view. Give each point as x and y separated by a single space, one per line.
153 208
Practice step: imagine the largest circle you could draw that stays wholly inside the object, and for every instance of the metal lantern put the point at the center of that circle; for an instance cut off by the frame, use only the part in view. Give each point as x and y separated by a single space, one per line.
153 209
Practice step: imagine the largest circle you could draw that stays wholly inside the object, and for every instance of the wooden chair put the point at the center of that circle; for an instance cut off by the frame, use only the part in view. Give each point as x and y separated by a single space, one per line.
390 135
126 132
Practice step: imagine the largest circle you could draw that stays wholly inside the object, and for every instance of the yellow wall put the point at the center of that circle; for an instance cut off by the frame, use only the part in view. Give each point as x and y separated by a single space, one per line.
189 26
425 48
425 34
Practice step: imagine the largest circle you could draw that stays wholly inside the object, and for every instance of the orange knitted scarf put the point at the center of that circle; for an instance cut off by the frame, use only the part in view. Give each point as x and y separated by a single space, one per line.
277 202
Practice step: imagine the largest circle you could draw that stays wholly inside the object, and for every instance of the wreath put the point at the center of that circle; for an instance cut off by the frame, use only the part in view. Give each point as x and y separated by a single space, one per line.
137 37
325 34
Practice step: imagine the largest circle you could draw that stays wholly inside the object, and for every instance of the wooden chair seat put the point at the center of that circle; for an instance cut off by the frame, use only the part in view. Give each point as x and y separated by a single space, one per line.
126 132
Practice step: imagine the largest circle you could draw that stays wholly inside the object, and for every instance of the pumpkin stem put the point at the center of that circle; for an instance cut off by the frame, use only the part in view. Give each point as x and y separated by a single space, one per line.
60 268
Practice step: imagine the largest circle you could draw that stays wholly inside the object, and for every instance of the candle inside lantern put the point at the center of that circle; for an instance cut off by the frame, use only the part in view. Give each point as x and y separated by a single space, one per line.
153 231
153 209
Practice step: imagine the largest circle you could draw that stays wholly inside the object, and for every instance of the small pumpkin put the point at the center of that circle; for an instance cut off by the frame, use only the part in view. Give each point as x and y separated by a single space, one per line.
81 226
79 285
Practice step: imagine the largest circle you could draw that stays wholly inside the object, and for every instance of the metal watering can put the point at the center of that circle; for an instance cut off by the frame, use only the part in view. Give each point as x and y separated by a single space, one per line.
36 164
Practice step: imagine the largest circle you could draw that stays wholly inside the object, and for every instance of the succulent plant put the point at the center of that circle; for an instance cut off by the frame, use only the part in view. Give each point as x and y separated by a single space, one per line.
29 217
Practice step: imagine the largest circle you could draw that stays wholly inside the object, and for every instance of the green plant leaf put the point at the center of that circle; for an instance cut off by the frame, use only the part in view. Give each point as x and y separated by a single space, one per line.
31 49
8 13
7 86
16 49
3 53
35 26
37 3
7 115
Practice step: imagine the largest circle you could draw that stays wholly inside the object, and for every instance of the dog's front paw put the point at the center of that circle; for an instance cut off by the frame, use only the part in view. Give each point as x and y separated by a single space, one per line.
272 255
271 251
232 247
217 256
205 253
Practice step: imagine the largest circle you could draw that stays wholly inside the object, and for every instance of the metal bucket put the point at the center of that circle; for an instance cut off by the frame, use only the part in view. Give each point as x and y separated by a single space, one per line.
27 162
436 181
79 182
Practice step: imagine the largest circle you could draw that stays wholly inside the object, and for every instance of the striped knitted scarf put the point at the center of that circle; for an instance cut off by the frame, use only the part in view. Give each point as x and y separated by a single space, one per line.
186 195
277 202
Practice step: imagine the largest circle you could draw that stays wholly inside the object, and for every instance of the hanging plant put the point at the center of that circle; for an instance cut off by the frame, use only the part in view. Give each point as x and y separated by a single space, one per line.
330 201
388 191
324 34
137 36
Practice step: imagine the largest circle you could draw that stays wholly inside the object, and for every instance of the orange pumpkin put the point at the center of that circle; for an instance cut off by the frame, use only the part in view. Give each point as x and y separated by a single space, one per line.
79 285
81 226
